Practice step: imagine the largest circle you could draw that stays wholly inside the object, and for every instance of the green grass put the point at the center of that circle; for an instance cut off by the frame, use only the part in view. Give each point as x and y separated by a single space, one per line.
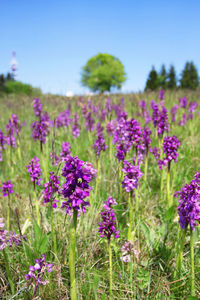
151 276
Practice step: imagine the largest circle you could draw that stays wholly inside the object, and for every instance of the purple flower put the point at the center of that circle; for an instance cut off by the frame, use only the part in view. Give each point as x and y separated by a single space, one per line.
108 106
36 274
170 148
7 188
89 122
34 170
40 130
63 119
192 106
108 224
54 158
8 239
3 235
146 132
78 175
132 175
51 188
183 121
162 124
155 114
183 102
110 127
161 95
75 126
156 152
37 107
3 140
66 149
173 111
189 204
128 251
99 145
13 127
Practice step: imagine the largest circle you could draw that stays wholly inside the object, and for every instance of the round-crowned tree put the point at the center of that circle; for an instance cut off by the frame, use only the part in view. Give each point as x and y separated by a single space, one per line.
103 72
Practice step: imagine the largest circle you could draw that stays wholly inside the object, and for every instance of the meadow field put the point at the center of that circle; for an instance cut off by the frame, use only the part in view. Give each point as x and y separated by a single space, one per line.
87 205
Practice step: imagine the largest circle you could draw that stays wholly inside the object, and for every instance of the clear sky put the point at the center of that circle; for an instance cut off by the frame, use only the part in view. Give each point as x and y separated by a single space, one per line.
54 39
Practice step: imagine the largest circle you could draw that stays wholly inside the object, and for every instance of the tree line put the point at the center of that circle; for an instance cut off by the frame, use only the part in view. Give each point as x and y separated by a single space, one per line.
189 78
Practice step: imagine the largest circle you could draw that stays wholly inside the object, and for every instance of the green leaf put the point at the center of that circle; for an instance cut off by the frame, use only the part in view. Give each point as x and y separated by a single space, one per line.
149 234
170 214
192 298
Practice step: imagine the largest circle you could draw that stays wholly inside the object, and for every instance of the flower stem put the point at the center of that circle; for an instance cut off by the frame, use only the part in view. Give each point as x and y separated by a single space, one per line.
130 216
73 292
110 268
8 272
37 208
146 167
54 246
192 263
97 181
169 199
181 243
8 214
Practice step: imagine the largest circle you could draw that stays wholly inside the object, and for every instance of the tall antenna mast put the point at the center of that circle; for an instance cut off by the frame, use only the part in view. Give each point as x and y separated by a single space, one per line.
14 65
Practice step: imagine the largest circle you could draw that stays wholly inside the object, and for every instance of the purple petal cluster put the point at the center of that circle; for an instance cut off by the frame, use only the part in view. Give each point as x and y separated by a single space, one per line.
146 132
8 238
34 170
78 175
163 124
40 130
36 274
51 188
183 121
66 149
161 95
110 127
89 122
192 106
37 107
132 175
63 119
128 251
99 144
76 126
183 102
108 224
173 112
170 148
7 188
189 204
3 140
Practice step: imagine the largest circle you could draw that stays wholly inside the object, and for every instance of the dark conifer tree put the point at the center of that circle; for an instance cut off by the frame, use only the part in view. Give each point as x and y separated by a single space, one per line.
189 77
152 81
171 78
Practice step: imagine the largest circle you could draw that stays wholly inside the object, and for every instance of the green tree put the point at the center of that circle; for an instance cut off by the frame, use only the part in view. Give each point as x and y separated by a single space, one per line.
189 77
103 72
171 78
152 80
162 78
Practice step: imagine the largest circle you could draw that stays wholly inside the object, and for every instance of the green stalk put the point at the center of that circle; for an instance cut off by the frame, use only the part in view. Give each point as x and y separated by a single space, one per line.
169 199
192 262
146 167
181 243
8 213
110 268
72 271
97 181
130 204
54 242
37 207
8 271
136 200
110 147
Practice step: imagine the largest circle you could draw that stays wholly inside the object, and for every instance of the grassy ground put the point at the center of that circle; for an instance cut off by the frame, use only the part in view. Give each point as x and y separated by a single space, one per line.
152 274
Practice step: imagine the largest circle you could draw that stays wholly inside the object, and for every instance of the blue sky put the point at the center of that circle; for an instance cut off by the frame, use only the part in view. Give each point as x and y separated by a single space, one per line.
54 39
